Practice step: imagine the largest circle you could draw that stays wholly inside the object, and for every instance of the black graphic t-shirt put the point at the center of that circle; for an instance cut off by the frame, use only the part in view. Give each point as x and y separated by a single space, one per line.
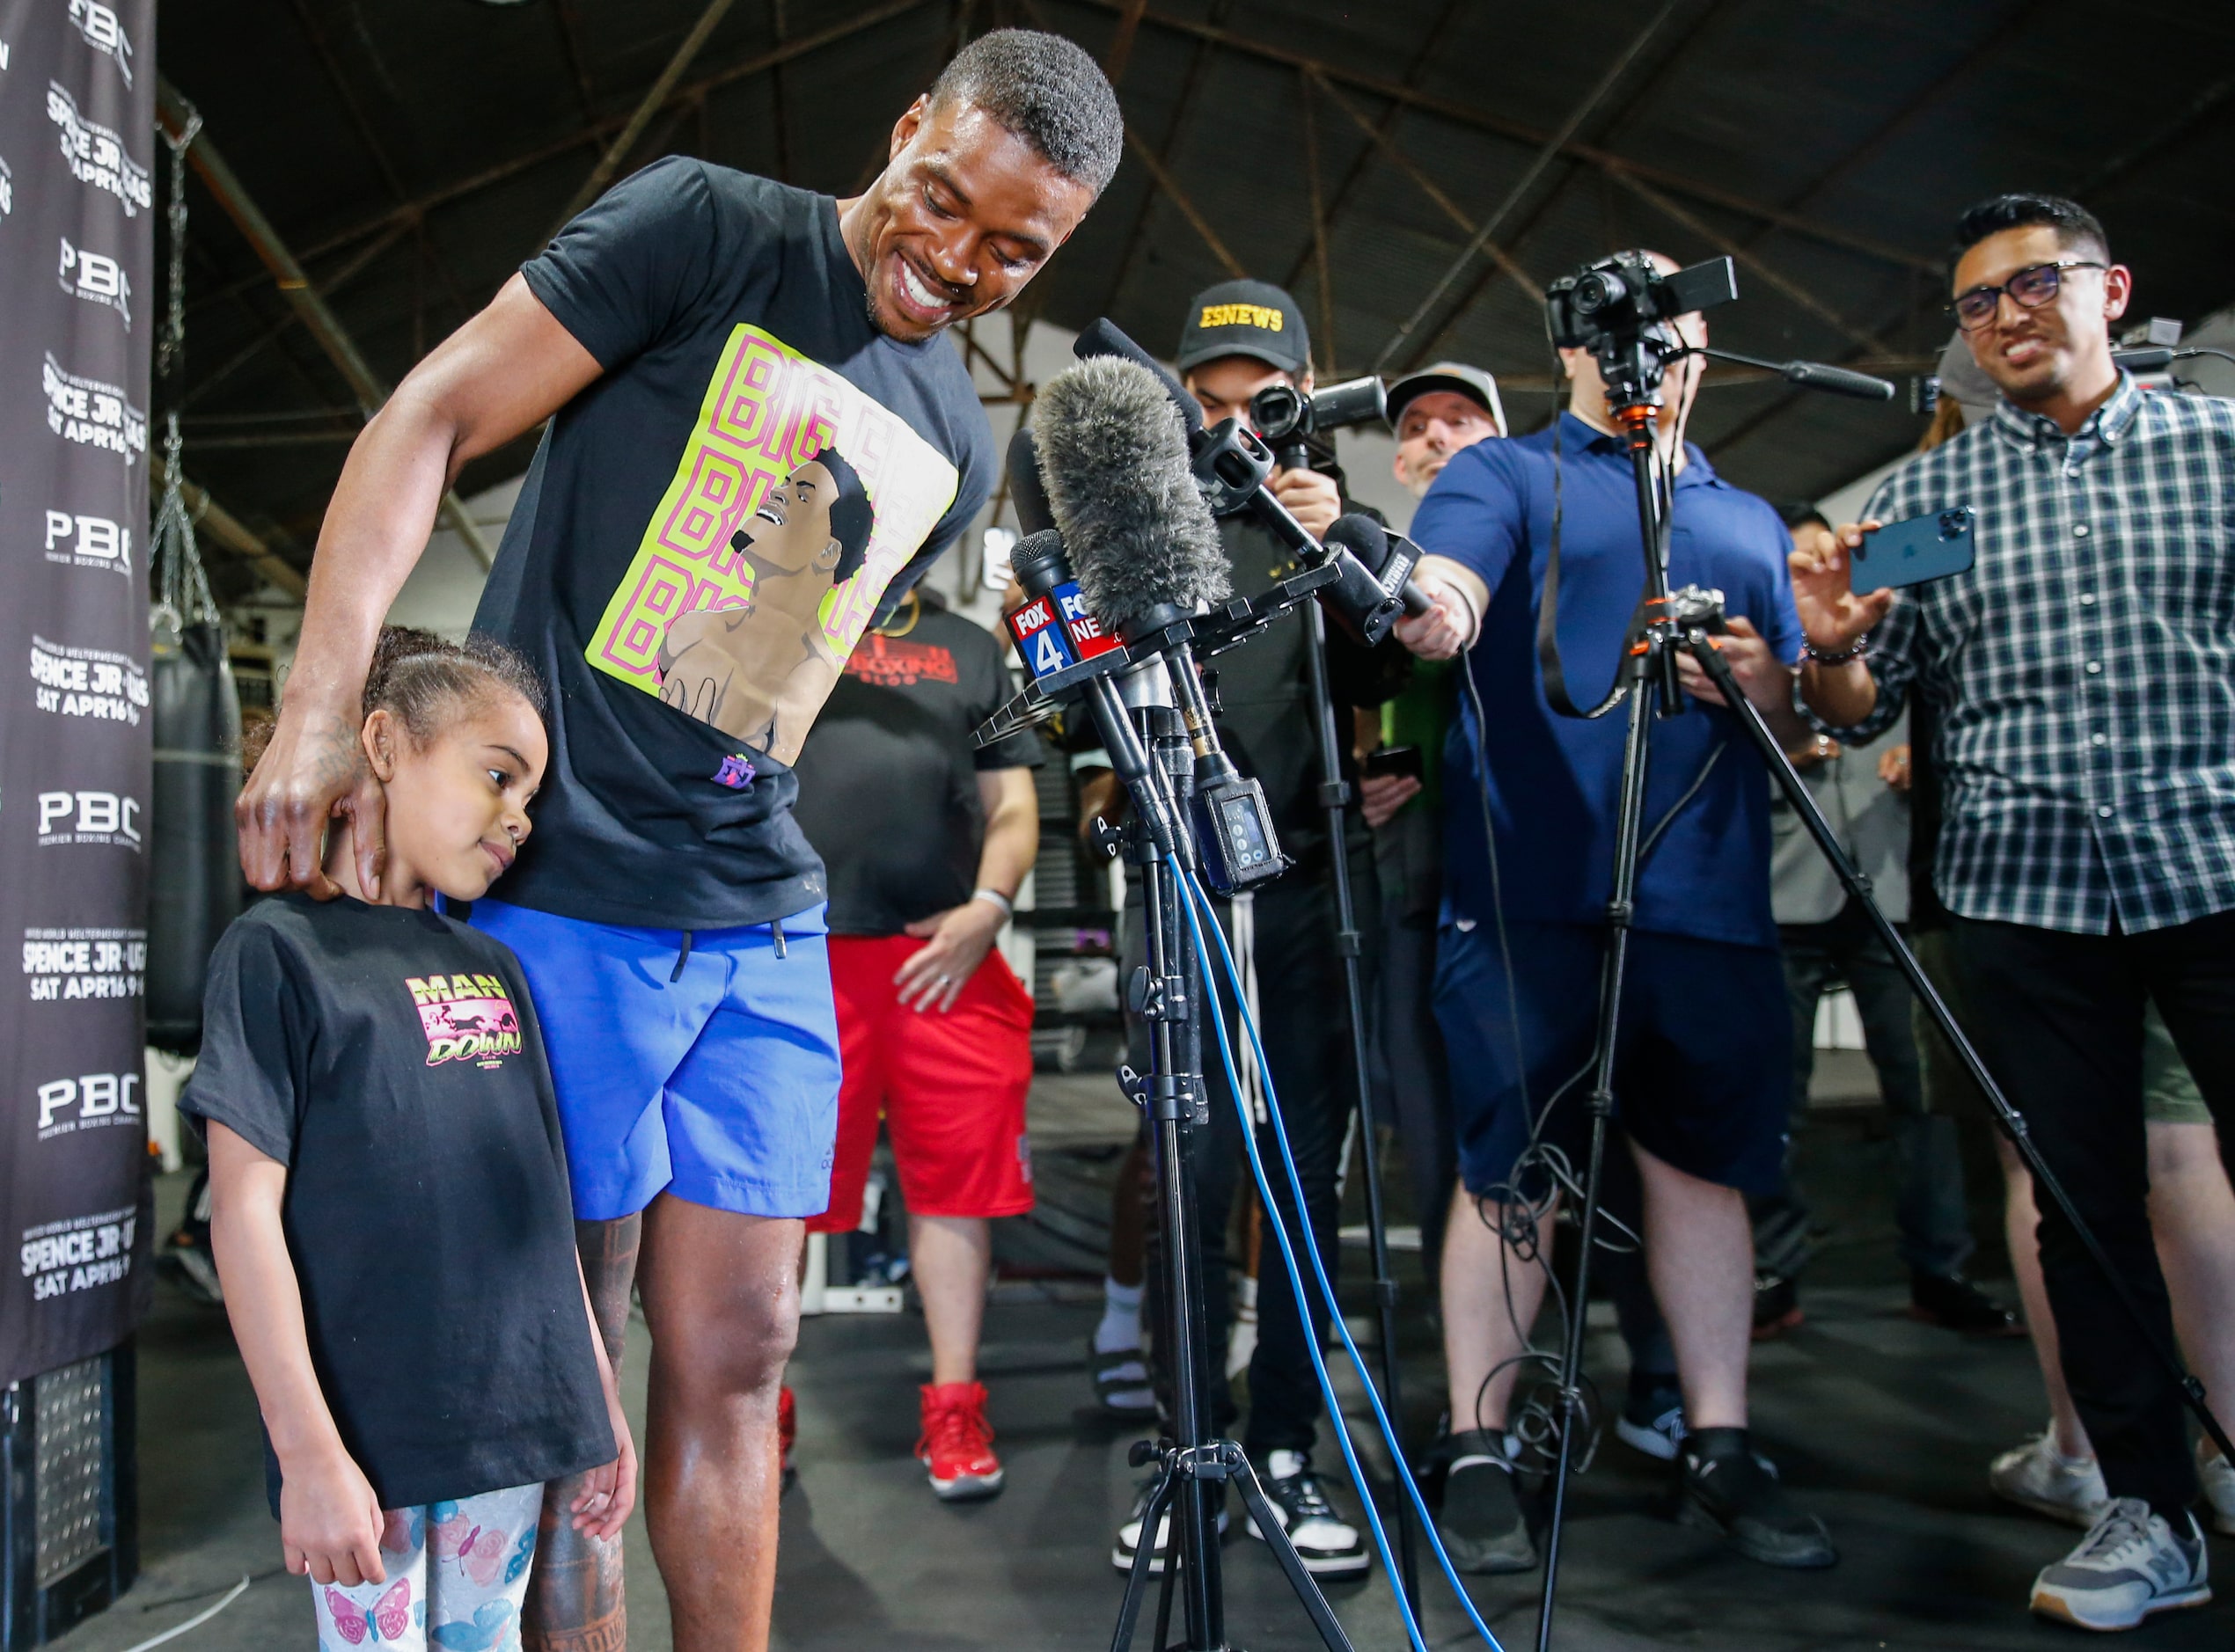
390 1059
707 531
888 783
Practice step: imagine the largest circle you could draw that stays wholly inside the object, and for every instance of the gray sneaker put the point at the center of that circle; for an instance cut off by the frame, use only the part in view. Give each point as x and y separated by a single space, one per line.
2128 1565
2038 1476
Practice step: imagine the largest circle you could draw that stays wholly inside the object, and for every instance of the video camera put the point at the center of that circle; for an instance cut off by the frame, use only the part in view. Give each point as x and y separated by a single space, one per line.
1619 308
1285 416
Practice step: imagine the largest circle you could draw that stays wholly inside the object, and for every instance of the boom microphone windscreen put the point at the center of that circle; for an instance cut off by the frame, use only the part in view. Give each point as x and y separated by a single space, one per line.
1114 457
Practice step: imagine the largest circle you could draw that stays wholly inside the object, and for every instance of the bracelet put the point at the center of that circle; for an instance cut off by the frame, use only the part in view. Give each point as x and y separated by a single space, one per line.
1848 655
1009 907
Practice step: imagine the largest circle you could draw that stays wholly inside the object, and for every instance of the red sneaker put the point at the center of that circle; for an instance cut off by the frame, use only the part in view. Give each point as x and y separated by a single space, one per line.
786 1432
957 1448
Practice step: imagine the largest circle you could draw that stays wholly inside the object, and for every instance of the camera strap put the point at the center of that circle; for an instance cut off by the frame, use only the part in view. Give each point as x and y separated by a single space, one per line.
1548 614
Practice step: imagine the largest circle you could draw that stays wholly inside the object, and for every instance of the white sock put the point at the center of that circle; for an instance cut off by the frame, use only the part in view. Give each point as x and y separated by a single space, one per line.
1120 1327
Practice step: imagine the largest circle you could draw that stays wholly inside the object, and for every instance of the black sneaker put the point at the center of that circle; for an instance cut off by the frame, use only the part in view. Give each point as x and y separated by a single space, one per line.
1955 1303
1482 1524
1652 1418
1327 1544
1727 1489
1121 1553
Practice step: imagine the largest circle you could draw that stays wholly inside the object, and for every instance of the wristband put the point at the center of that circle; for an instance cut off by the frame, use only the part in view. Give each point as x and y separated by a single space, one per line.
1848 655
1008 908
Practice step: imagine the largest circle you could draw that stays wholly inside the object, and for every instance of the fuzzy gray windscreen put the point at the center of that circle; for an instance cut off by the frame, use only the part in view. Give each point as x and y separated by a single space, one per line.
1114 457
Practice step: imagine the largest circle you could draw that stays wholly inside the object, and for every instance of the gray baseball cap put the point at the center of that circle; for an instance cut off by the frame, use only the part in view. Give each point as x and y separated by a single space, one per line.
1456 377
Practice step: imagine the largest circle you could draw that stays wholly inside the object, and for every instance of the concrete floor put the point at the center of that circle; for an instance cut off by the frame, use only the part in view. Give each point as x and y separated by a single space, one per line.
1885 1426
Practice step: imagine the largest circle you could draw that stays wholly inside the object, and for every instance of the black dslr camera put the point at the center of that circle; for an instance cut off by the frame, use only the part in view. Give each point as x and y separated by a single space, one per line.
1619 308
1286 417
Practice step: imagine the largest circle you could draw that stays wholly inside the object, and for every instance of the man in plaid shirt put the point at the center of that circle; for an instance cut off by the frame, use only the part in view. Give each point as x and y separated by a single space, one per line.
2084 670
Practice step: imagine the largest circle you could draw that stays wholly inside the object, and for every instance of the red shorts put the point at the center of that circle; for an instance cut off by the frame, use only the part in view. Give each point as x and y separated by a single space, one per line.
950 1088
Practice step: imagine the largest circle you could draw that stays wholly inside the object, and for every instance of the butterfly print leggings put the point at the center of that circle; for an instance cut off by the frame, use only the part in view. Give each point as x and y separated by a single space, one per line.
458 1573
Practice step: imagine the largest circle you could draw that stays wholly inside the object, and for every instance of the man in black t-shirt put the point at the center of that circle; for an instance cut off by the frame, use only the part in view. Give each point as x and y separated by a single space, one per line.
926 840
695 338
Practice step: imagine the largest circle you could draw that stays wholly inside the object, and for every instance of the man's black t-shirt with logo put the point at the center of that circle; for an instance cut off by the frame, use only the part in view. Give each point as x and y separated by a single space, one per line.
888 783
706 532
390 1059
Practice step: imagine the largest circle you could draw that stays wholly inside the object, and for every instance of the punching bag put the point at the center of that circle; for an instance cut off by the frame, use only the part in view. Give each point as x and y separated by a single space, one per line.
194 863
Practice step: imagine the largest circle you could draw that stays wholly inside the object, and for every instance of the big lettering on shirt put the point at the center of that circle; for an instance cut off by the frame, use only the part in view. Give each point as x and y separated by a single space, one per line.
768 410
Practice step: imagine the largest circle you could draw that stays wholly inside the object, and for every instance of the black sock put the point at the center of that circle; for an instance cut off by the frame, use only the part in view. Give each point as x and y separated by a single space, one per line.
2176 1515
1713 1443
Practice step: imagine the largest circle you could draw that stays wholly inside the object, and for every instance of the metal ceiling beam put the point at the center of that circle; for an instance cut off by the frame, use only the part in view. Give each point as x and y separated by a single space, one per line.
1754 261
569 24
502 172
1499 126
655 98
327 289
1379 139
295 286
1430 44
1164 180
228 531
1551 149
1120 49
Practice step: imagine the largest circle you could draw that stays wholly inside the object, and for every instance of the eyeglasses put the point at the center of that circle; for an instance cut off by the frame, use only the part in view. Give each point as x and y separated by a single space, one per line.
2036 285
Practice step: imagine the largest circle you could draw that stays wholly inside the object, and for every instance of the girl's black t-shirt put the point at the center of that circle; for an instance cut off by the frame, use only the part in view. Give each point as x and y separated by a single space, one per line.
390 1059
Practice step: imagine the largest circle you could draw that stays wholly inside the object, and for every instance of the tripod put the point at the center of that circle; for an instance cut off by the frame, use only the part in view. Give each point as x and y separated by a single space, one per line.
1688 620
1167 991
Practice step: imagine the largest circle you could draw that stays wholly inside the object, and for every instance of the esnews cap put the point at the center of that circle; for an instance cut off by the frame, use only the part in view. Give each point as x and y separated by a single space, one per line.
1456 377
1245 317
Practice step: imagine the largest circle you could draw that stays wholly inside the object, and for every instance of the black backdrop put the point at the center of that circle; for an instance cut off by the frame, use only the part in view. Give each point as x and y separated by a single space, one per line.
78 307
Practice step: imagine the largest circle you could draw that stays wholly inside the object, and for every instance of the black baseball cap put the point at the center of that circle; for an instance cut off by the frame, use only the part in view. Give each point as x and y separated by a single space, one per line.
1245 317
1455 377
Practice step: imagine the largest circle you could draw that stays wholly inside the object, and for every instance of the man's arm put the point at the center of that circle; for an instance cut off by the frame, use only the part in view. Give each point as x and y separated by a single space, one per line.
1835 620
959 939
503 372
1459 599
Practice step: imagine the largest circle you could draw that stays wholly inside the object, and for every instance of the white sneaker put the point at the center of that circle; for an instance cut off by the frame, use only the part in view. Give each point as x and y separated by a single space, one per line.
2038 1476
2218 1476
2128 1565
1121 1553
1327 1544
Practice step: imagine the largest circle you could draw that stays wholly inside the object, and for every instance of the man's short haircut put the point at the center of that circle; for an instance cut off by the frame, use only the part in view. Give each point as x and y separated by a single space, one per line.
2077 230
852 516
1046 89
1799 513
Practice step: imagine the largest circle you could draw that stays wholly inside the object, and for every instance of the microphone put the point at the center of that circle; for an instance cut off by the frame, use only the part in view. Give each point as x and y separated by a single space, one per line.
1114 457
1376 584
1105 339
1026 489
1838 380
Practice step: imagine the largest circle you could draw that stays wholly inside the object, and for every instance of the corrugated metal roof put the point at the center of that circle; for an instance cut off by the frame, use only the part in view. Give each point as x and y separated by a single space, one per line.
414 152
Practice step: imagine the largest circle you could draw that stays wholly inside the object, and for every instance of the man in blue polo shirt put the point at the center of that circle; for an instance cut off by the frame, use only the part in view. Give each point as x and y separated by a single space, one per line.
1703 1075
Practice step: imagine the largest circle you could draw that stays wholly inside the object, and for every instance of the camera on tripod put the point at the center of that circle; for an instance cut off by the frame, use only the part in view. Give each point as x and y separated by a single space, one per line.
1619 309
1287 417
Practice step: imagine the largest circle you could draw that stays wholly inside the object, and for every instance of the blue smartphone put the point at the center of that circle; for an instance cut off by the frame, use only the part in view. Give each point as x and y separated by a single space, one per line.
1910 552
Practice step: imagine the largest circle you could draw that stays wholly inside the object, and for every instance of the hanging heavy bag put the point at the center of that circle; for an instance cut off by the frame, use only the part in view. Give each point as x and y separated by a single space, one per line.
194 863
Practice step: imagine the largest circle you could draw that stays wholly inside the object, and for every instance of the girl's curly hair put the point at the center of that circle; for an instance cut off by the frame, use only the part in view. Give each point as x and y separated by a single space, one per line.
422 680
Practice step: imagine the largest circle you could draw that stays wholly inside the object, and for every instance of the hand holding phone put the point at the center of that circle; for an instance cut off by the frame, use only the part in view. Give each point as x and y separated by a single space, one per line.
1918 549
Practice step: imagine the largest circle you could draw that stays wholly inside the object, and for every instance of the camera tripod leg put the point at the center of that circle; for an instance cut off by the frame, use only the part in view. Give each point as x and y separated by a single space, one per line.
1275 1537
2012 1122
1629 820
1334 795
1152 1521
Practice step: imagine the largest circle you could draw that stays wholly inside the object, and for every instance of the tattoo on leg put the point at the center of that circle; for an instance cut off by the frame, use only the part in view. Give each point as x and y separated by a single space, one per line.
575 1601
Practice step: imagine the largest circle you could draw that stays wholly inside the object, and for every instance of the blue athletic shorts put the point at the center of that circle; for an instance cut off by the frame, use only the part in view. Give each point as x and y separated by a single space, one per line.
718 1084
1703 1076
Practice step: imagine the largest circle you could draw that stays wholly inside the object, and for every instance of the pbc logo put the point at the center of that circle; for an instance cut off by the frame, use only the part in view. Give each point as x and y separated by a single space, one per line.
87 1103
96 278
103 31
88 817
88 541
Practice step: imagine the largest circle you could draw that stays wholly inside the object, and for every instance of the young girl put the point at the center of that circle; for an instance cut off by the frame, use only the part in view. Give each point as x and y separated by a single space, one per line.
390 1218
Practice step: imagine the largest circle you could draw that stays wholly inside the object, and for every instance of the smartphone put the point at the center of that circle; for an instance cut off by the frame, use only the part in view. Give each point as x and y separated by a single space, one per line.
1394 760
1919 548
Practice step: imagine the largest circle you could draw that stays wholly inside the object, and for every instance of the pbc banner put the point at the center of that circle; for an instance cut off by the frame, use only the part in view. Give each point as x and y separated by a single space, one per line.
77 163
